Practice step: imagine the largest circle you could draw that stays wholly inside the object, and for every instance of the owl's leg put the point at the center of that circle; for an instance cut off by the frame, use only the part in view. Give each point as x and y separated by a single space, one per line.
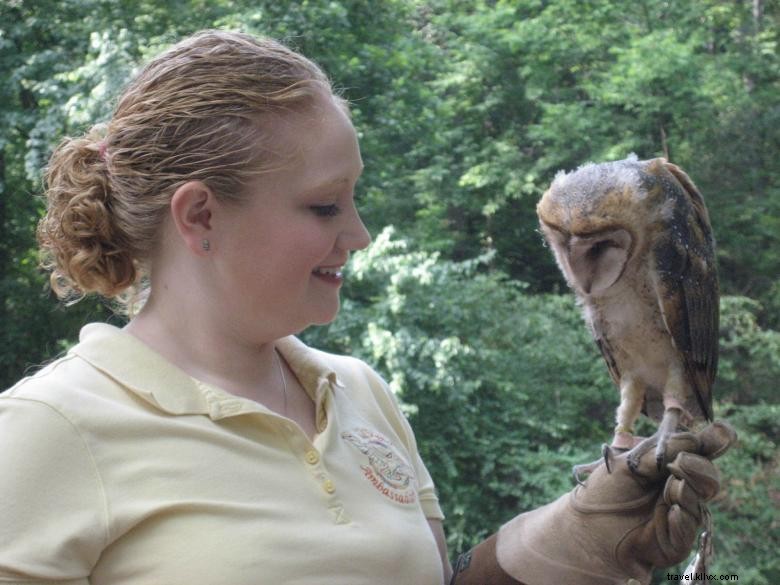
674 414
631 398
632 395
659 440
671 420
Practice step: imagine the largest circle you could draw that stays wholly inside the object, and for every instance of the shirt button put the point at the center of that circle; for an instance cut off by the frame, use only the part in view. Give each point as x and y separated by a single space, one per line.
312 457
328 486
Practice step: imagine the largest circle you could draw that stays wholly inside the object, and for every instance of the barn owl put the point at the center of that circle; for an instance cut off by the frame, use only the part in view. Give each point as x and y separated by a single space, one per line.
634 242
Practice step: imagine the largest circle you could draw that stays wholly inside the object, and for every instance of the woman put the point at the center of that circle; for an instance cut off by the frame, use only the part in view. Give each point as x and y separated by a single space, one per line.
203 443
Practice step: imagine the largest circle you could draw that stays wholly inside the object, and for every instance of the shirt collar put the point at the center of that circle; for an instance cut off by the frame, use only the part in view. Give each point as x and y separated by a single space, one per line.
140 369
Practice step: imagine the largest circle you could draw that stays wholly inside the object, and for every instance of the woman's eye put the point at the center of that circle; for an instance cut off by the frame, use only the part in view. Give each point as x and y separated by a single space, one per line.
326 210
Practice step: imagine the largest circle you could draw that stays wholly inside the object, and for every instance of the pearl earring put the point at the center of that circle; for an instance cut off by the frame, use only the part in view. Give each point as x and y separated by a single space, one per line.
206 245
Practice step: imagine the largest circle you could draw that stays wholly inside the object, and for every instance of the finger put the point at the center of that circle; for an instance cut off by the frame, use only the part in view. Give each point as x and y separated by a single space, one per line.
682 528
716 439
682 442
671 535
700 474
677 492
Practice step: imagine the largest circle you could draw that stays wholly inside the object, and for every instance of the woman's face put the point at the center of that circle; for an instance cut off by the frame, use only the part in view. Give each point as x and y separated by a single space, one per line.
279 255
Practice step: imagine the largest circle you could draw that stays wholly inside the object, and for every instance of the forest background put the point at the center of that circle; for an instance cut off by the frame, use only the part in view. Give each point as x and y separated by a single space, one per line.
466 110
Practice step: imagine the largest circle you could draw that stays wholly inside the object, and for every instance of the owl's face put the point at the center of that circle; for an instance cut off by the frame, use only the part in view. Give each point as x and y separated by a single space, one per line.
591 262
592 219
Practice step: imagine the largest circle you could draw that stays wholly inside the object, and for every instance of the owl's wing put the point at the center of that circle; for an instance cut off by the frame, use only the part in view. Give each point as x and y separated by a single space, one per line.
687 286
609 358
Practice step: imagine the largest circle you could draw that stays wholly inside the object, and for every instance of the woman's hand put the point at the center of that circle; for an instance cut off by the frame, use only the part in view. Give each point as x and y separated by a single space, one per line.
616 527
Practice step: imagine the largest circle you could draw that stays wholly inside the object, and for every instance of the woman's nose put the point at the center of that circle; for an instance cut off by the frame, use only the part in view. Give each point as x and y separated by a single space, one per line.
355 235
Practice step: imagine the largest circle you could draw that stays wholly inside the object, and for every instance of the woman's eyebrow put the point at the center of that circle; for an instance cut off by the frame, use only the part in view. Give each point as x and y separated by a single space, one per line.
335 182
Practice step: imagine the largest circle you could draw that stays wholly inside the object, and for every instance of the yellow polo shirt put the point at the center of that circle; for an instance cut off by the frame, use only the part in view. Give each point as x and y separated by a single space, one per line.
118 468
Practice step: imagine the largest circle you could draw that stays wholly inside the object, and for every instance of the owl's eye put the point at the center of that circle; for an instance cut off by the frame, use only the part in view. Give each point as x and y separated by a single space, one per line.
600 247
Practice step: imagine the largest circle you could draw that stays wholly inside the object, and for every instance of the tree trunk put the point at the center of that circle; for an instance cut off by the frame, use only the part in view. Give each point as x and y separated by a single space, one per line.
758 15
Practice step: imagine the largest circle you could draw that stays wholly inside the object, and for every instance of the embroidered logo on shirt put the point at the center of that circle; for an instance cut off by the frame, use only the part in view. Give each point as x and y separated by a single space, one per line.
387 470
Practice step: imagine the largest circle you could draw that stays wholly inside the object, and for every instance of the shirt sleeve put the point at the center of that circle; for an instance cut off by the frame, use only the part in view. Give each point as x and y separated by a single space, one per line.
53 521
426 490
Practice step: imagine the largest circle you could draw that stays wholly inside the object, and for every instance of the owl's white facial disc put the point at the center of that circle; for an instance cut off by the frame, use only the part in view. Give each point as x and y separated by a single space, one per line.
597 261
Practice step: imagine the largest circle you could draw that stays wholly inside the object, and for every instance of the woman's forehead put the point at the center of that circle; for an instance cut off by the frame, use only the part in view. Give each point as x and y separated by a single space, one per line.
314 147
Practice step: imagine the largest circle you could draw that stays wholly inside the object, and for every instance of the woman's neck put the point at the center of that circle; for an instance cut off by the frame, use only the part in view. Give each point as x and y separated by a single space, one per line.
209 352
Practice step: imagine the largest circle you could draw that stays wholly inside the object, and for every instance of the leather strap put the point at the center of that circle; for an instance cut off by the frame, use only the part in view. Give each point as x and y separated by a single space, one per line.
479 566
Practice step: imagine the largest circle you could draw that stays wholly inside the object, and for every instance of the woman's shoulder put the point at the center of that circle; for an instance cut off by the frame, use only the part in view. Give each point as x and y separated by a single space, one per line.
50 383
49 475
39 414
341 370
65 385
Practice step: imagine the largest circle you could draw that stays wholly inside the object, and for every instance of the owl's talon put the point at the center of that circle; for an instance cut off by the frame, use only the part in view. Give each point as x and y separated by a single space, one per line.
660 451
658 442
607 456
584 468
606 453
633 463
577 470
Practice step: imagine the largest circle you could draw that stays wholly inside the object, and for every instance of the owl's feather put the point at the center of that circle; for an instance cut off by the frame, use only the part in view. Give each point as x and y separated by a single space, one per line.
687 286
609 358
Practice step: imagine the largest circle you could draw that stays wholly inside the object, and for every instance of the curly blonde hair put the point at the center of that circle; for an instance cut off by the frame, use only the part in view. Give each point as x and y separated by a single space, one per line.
195 112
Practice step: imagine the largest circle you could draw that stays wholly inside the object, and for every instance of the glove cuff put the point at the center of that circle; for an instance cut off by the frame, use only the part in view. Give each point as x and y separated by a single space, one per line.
480 566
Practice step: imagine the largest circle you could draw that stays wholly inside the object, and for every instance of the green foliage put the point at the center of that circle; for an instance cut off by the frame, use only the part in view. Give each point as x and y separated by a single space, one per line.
747 527
750 355
569 82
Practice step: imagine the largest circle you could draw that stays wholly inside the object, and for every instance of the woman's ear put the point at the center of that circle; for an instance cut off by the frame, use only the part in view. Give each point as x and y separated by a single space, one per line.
191 208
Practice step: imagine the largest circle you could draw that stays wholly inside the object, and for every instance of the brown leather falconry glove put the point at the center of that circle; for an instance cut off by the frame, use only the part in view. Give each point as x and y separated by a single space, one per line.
614 529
